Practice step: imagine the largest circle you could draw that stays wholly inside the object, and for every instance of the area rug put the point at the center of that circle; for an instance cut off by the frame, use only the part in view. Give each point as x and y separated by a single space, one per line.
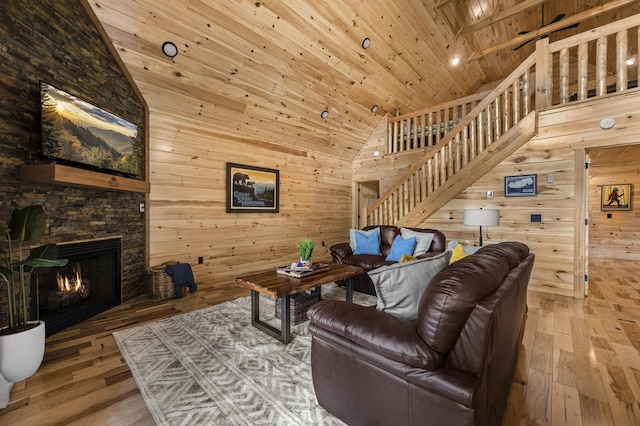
211 367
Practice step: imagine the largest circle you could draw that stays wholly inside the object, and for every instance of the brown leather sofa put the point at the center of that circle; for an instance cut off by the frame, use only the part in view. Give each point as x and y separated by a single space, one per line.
342 253
454 365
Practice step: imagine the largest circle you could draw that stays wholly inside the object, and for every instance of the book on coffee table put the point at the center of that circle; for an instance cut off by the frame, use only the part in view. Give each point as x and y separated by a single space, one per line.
299 272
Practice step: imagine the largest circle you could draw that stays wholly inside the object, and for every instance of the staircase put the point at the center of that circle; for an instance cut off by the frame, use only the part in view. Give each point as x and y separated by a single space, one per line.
461 147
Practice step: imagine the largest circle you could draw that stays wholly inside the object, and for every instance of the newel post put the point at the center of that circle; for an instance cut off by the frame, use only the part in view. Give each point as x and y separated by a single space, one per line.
544 82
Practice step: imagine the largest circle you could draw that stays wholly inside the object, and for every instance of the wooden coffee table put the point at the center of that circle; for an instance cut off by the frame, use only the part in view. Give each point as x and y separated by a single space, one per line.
282 287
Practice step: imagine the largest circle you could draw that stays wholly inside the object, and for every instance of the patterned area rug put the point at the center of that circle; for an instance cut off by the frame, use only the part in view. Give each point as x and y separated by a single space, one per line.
211 367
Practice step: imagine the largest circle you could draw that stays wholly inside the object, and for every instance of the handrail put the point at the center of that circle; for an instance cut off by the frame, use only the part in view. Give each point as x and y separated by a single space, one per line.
544 79
473 133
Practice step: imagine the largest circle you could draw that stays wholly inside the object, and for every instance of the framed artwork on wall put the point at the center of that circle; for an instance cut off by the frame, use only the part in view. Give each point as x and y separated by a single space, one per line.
615 197
252 189
521 186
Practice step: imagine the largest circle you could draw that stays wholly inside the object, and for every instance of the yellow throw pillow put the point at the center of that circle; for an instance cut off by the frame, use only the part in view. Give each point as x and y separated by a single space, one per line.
407 258
457 253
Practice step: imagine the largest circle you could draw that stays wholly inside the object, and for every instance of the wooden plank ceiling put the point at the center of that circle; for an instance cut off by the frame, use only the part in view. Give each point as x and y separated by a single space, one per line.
265 70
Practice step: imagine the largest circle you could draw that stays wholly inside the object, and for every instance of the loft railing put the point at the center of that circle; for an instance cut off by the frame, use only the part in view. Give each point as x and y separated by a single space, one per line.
581 66
590 64
426 127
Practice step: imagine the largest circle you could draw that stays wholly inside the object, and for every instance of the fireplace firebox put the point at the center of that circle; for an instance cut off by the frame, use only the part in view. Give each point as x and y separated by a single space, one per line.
89 284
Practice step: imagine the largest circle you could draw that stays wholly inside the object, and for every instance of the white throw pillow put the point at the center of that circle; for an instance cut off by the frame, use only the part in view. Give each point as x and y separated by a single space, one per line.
399 287
423 240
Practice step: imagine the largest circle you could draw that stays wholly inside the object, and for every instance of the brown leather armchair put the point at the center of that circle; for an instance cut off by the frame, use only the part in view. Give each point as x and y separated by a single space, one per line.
454 365
342 253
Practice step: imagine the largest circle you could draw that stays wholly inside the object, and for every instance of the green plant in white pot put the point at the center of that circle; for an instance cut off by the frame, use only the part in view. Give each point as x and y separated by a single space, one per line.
305 247
22 341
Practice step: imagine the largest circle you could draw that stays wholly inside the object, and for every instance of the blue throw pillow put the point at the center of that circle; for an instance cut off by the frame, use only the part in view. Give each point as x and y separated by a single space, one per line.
368 244
401 246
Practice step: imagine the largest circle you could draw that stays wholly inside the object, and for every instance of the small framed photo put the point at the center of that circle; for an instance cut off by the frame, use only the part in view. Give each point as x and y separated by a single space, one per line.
521 186
252 189
615 197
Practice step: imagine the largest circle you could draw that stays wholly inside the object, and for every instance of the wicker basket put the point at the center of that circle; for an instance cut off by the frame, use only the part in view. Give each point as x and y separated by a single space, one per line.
299 304
161 286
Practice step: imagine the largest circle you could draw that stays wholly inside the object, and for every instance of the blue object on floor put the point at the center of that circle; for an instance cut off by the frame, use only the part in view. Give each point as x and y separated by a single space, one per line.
182 276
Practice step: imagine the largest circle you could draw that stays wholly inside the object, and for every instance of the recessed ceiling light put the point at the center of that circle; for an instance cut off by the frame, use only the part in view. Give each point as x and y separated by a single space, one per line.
324 114
366 42
374 108
376 153
169 49
631 61
455 61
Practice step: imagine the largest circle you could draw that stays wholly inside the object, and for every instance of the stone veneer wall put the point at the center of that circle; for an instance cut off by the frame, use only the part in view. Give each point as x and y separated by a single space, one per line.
58 42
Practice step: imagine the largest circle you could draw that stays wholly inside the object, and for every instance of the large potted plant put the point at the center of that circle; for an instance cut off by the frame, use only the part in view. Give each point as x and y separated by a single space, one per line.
22 341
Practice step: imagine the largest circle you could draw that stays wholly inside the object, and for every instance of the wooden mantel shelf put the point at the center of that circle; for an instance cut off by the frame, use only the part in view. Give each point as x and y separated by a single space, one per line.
64 175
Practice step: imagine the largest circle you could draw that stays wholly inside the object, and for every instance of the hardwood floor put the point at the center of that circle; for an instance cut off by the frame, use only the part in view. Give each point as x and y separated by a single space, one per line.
580 360
579 363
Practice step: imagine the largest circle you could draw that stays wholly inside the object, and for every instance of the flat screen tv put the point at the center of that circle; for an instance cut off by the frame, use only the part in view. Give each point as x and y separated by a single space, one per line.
81 134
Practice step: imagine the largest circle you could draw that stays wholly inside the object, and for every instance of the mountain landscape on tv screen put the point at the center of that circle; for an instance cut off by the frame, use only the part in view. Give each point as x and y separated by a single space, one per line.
76 131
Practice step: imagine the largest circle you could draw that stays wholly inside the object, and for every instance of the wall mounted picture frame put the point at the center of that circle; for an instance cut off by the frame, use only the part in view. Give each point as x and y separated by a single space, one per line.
252 189
521 186
615 197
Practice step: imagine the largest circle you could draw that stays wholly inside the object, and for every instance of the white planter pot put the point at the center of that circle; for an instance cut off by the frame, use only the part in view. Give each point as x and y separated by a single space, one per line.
20 357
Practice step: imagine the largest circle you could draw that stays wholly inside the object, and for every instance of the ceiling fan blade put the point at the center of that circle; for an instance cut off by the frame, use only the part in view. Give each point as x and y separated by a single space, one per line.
556 19
522 45
568 27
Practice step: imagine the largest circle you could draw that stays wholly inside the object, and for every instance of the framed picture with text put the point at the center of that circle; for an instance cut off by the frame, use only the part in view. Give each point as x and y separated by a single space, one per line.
521 186
615 197
252 189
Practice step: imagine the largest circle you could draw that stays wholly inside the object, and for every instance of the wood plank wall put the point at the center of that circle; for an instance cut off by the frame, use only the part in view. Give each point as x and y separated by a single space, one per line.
187 209
552 152
615 237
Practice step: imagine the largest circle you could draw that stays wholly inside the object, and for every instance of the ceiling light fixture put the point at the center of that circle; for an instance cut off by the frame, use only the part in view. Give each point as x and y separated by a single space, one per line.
376 153
631 61
374 109
324 114
455 61
366 42
169 49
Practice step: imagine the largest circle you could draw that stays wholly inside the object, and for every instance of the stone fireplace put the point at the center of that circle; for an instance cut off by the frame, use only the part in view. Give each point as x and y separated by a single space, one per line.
88 207
89 284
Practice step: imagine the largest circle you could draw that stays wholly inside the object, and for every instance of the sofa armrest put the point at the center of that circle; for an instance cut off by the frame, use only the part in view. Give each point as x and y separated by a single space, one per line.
378 332
340 251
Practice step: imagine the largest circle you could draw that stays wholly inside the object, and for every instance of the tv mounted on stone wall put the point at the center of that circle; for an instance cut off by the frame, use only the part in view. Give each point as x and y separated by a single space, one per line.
77 133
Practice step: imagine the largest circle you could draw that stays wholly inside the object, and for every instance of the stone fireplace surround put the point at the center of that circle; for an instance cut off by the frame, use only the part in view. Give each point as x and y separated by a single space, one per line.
59 42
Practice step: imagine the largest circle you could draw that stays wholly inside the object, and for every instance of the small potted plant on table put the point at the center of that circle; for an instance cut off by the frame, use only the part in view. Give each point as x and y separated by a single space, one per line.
305 247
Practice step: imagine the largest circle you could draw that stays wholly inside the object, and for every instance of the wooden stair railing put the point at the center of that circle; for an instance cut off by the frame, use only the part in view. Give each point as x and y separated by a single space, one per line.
498 112
573 69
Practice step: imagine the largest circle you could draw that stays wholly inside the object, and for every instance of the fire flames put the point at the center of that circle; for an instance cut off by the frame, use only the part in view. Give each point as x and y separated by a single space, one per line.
67 284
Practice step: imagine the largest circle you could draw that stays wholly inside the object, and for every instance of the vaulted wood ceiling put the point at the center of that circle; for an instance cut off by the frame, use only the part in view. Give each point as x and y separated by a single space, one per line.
265 70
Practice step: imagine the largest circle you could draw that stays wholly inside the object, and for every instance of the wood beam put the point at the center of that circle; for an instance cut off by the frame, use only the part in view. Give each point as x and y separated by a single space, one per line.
441 3
520 7
587 14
